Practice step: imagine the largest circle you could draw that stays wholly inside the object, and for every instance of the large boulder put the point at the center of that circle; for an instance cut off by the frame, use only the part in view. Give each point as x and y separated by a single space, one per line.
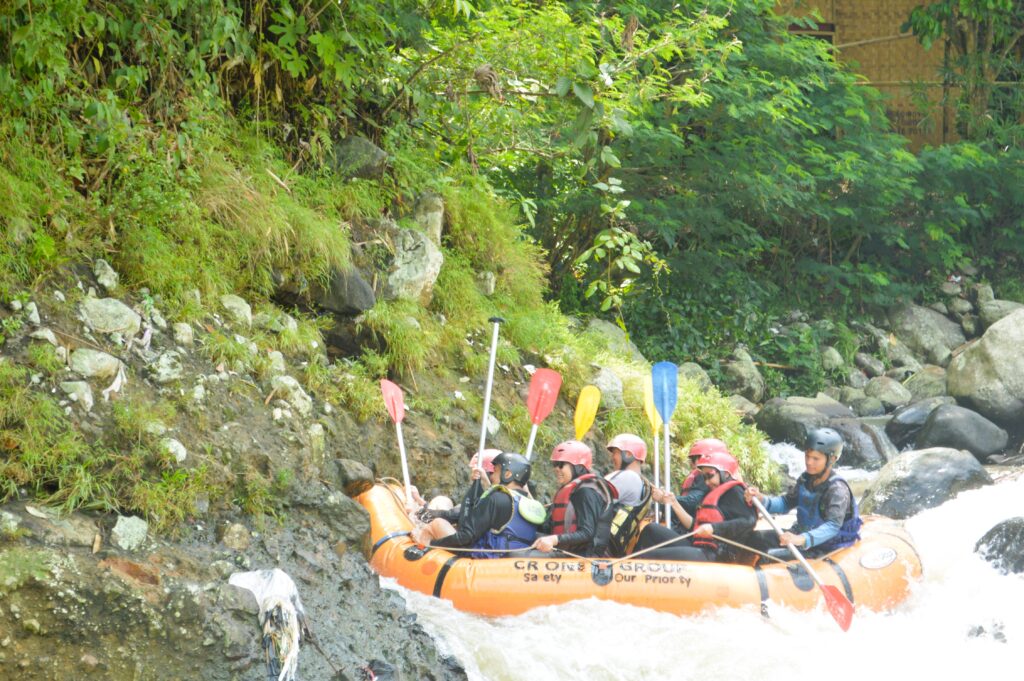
1003 546
359 157
930 381
926 332
789 419
617 340
922 479
891 347
994 310
415 268
347 293
743 377
989 375
888 391
960 428
610 385
110 315
866 444
906 422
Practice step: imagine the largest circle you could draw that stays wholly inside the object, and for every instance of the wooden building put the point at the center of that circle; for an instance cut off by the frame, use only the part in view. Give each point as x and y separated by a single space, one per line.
867 36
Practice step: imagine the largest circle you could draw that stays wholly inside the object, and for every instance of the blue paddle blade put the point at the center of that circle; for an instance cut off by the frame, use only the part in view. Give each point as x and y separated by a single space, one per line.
664 377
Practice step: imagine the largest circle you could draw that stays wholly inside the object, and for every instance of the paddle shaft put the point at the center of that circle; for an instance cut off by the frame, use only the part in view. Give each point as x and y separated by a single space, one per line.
529 445
792 549
657 475
487 390
668 479
405 463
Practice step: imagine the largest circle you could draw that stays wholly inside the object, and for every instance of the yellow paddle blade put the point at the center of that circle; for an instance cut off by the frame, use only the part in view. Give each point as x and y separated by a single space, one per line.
652 413
586 409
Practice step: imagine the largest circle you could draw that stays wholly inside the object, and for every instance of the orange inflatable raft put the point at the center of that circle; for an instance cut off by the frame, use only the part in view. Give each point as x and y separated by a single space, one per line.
876 573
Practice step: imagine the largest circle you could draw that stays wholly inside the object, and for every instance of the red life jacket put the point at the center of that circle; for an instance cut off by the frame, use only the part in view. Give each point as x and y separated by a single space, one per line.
688 483
708 512
563 515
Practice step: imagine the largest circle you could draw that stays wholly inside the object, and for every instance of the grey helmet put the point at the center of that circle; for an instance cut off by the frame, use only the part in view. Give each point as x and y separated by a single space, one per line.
512 467
826 441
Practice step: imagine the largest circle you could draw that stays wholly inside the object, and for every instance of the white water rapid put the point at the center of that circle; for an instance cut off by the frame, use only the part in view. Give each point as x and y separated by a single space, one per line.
929 637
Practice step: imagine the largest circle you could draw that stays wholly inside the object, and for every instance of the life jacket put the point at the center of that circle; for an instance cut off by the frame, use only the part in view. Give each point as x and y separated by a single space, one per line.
690 479
520 530
563 515
708 512
619 526
809 514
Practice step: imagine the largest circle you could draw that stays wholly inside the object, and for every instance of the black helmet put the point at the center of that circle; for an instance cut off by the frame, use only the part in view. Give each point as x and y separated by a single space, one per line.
826 441
512 467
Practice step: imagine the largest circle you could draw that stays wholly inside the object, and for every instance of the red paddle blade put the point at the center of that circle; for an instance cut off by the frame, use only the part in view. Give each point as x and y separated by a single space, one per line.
393 400
838 605
544 387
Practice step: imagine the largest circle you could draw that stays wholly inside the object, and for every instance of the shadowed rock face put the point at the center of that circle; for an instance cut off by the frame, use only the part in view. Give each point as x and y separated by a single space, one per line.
922 479
1003 546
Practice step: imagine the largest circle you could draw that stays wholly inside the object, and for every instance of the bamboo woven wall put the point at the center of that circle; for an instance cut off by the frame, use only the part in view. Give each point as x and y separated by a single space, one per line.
865 33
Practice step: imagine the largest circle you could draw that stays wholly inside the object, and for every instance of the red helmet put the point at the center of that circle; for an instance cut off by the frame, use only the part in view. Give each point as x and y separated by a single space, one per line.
722 461
574 452
488 462
628 442
707 446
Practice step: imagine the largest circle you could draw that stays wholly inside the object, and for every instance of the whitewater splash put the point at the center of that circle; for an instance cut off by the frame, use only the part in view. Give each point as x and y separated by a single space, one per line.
963 620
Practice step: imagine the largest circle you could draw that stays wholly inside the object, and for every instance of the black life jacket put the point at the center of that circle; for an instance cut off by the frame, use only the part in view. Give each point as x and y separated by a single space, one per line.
619 525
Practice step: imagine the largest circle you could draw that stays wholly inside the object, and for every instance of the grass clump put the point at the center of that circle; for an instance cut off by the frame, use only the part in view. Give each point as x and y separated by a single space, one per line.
350 384
43 356
408 335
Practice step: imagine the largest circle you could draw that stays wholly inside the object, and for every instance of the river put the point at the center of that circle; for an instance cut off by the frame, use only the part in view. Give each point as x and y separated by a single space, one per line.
934 635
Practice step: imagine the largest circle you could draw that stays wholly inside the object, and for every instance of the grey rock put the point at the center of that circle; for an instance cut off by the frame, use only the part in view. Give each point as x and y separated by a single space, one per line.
971 325
175 449
429 215
94 364
866 444
415 268
907 421
235 536
959 428
992 311
32 314
891 347
351 476
921 479
80 392
289 388
868 406
129 532
891 393
347 293
610 385
167 368
939 307
930 381
45 334
856 379
9 524
615 338
950 289
317 440
988 375
1003 546
110 315
347 518
926 332
359 157
487 282
872 366
961 306
743 377
691 371
237 309
183 334
277 366
982 293
105 275
789 419
831 360
746 409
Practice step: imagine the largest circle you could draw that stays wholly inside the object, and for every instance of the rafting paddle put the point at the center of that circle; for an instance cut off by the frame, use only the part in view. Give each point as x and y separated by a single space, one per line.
655 420
544 387
395 402
586 410
838 605
664 377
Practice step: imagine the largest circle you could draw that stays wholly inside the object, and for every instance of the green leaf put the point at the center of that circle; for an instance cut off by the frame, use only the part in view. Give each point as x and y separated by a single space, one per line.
562 86
584 94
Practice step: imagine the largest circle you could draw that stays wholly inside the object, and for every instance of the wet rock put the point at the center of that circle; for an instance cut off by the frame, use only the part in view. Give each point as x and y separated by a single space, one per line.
129 532
237 309
347 518
959 428
80 392
743 377
866 446
872 366
930 381
922 479
351 476
105 275
890 392
1003 546
927 332
988 376
110 315
167 368
790 419
94 364
907 421
183 334
289 388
